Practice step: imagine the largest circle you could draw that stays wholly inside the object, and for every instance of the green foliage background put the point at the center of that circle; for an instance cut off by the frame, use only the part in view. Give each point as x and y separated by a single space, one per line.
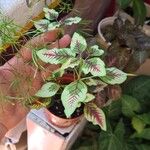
128 121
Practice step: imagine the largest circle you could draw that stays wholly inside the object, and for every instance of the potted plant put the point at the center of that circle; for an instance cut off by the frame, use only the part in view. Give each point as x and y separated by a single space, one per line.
126 42
76 95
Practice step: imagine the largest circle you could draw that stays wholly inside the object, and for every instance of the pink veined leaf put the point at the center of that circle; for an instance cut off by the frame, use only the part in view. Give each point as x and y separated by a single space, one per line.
95 115
54 56
78 43
95 66
72 95
114 76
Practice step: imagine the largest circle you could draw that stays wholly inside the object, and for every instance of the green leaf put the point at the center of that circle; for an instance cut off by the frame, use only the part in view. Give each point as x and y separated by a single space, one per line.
78 43
50 14
124 3
139 11
145 118
53 26
138 124
114 76
95 51
47 90
42 25
120 131
95 115
139 87
54 56
114 110
58 73
73 94
95 66
143 147
130 106
71 63
112 140
89 97
145 134
72 20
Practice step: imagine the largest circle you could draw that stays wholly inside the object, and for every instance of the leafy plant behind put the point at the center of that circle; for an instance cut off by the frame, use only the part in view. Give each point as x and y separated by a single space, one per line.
128 122
139 9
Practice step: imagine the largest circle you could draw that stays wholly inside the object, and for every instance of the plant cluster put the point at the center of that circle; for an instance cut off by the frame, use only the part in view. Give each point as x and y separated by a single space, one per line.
128 121
8 32
130 45
87 69
52 22
138 7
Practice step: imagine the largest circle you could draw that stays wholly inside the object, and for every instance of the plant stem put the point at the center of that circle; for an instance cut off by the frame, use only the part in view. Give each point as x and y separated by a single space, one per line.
87 78
132 75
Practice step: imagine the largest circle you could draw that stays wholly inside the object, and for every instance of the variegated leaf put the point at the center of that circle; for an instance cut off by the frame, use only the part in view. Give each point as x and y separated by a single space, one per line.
89 97
70 63
114 76
95 51
48 89
42 25
95 115
95 66
50 14
53 26
78 43
73 94
54 56
72 20
94 82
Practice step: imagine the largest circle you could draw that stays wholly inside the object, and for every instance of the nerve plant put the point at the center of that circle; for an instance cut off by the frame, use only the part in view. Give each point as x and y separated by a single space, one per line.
88 70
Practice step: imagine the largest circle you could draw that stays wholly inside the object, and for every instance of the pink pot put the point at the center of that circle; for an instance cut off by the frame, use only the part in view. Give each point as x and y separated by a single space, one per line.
61 122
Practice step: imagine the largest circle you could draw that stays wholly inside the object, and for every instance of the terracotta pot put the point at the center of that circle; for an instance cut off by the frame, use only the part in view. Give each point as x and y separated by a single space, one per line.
61 122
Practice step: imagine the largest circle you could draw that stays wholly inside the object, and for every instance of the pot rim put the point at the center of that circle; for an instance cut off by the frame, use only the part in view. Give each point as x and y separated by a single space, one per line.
46 109
104 22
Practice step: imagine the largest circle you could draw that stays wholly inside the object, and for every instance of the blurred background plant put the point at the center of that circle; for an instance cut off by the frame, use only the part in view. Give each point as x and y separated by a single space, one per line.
128 121
8 32
138 9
